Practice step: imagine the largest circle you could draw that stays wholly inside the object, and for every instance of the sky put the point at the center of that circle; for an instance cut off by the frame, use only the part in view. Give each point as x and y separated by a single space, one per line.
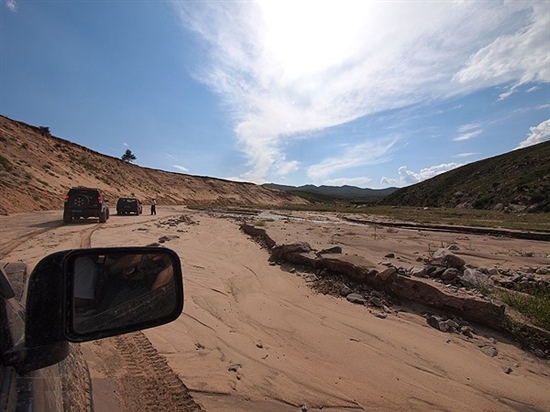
370 94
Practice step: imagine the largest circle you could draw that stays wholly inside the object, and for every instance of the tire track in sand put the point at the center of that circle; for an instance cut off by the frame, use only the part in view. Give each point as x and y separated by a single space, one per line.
9 246
144 380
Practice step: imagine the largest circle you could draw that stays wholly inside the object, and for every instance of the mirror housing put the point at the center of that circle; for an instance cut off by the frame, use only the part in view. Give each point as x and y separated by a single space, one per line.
52 318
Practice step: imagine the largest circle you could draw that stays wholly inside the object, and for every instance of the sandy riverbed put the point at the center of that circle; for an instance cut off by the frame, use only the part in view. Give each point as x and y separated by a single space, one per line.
256 337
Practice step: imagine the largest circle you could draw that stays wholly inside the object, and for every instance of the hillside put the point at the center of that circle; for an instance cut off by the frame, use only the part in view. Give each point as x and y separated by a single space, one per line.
36 169
516 181
348 193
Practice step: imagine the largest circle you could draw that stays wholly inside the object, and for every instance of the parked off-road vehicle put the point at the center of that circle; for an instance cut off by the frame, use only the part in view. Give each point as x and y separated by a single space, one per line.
127 205
85 202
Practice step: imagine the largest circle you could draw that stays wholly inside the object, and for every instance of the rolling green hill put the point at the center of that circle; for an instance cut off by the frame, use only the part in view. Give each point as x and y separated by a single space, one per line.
517 181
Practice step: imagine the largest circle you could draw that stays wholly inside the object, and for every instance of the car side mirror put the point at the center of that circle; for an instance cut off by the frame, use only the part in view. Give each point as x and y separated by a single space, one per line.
86 294
118 291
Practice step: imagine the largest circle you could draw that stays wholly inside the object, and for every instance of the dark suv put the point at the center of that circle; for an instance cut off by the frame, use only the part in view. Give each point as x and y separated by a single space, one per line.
127 205
85 202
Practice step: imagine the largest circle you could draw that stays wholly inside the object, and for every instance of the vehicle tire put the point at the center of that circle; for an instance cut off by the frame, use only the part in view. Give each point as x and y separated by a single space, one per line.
67 218
80 201
103 217
118 213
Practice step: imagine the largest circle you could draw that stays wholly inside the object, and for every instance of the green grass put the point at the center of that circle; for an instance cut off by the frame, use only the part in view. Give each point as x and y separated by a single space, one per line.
536 306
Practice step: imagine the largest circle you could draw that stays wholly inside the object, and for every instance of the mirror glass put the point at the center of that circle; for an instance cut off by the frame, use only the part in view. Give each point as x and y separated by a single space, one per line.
121 289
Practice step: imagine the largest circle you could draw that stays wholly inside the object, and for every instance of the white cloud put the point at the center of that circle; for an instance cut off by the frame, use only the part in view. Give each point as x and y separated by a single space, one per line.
180 168
287 68
466 154
538 134
520 56
285 168
364 154
467 136
409 177
11 5
468 131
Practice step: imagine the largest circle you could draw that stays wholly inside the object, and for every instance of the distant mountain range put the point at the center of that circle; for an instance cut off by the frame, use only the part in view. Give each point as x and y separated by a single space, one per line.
349 193
517 181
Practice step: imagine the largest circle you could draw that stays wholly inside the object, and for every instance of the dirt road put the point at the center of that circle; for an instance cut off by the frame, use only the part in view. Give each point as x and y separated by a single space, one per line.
255 337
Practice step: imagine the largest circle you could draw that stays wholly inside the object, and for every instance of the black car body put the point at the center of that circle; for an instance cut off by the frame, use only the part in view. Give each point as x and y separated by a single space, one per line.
38 390
35 333
129 205
85 202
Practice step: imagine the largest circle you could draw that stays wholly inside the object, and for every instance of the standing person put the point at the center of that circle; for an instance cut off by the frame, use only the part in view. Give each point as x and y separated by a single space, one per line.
153 207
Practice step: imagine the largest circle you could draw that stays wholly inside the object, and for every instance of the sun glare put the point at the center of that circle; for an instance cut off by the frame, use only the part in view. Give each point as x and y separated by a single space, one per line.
306 37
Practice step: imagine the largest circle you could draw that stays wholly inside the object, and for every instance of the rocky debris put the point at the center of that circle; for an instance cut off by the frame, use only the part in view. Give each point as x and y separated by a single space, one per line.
489 350
175 221
450 325
445 257
535 280
445 282
331 250
356 298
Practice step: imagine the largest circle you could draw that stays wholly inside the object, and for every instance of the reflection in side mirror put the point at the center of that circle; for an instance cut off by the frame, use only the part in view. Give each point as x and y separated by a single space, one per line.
121 290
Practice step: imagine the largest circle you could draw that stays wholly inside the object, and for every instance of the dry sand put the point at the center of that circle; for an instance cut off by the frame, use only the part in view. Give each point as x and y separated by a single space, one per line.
256 337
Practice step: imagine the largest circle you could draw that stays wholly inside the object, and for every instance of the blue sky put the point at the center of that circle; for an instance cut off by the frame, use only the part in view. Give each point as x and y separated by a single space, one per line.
369 94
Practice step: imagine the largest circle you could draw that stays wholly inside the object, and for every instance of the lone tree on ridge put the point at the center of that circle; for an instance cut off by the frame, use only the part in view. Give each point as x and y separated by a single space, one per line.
128 156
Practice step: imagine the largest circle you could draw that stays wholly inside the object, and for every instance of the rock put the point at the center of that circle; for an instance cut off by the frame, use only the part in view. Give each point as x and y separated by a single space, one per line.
310 277
332 250
300 247
345 290
389 272
507 370
356 298
489 351
448 259
389 255
451 324
381 315
539 353
450 274
418 271
453 247
473 277
433 321
375 301
467 331
493 272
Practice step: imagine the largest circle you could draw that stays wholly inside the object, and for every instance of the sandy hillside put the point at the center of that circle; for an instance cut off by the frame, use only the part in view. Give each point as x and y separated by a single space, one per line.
256 337
37 169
